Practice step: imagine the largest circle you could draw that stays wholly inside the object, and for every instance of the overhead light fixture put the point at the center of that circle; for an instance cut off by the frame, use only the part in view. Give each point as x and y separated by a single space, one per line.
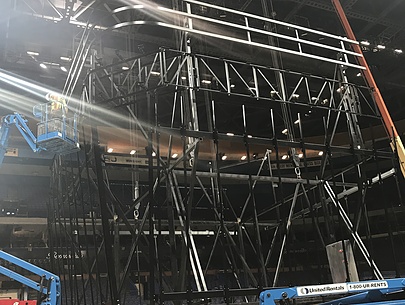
285 131
125 68
250 136
65 58
110 150
243 158
206 81
132 152
174 155
63 68
398 51
153 154
365 43
183 77
224 157
295 96
42 65
380 47
358 74
230 134
232 85
155 73
320 153
300 155
32 53
284 157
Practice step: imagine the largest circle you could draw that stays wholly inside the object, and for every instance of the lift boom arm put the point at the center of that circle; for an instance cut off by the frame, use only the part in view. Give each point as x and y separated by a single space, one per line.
396 142
21 123
49 284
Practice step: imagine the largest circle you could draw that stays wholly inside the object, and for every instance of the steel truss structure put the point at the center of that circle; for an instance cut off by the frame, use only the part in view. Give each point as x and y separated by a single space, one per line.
303 187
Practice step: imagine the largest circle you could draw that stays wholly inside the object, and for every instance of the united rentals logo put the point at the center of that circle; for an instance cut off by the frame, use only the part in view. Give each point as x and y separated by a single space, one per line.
322 289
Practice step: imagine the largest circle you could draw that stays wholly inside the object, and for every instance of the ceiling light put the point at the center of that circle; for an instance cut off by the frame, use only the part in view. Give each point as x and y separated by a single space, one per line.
320 153
155 73
183 77
295 95
285 131
380 47
205 81
300 155
224 157
65 58
32 53
125 68
398 51
314 99
42 65
297 122
174 155
110 150
63 68
153 154
358 74
132 152
249 136
230 134
243 158
284 157
232 85
365 43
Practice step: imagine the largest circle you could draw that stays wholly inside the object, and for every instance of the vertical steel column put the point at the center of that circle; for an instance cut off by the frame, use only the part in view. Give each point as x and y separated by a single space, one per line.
105 213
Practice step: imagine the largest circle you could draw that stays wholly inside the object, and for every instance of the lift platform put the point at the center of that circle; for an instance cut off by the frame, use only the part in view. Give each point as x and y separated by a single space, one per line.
56 130
374 292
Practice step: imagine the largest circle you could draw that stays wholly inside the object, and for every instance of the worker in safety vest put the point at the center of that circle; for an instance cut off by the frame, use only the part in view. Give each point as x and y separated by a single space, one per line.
58 104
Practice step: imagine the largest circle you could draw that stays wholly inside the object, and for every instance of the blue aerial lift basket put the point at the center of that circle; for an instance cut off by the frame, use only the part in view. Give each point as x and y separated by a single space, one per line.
56 131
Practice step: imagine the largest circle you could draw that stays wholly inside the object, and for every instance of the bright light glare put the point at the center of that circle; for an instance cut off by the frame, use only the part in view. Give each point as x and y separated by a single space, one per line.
320 153
365 43
32 53
132 152
224 157
284 157
380 47
153 154
174 155
398 51
65 58
243 158
63 69
110 150
42 65
230 134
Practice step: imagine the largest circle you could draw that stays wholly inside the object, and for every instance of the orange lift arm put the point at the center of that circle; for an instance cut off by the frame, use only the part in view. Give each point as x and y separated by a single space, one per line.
396 143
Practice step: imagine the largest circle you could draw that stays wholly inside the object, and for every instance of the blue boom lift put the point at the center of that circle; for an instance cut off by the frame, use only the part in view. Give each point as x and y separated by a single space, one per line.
56 133
374 292
48 285
56 130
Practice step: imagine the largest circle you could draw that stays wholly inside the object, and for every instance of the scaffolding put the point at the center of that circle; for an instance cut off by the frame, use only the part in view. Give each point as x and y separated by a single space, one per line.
151 226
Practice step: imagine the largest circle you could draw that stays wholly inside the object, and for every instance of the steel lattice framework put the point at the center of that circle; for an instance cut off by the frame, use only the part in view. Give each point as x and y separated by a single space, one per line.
175 99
